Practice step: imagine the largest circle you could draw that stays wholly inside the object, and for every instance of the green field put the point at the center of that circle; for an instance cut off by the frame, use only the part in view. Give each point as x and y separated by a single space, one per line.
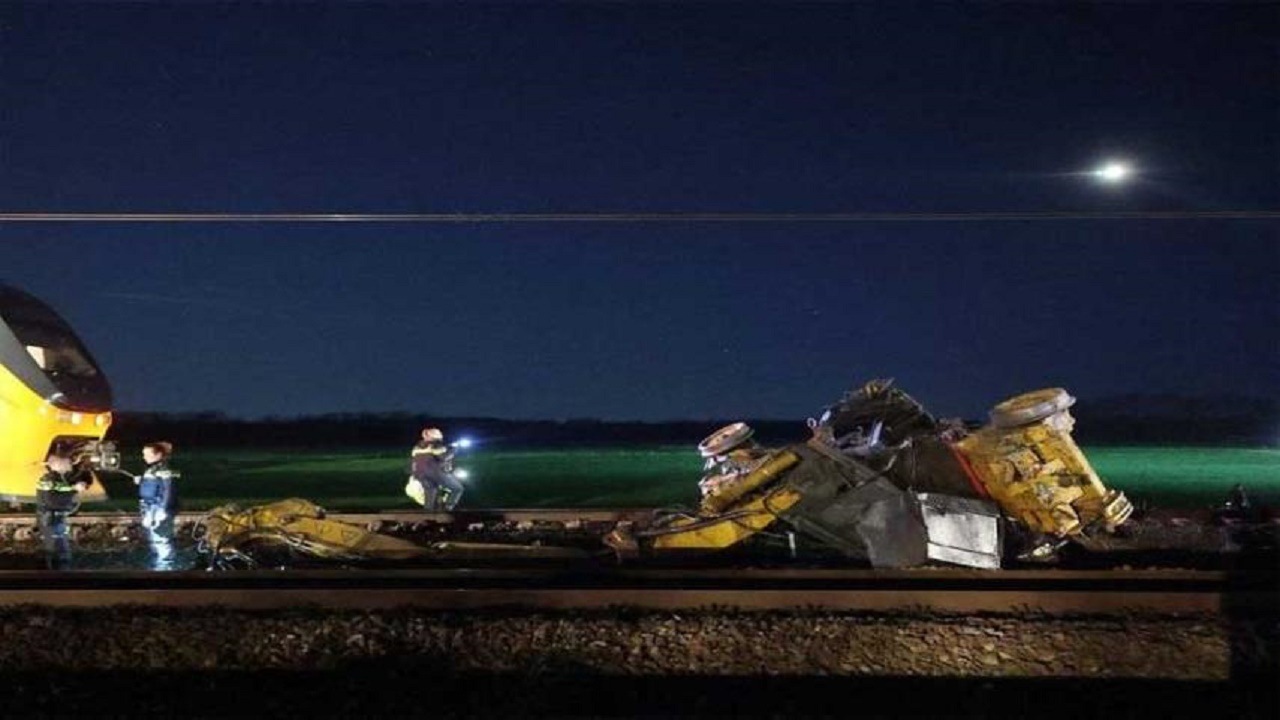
653 477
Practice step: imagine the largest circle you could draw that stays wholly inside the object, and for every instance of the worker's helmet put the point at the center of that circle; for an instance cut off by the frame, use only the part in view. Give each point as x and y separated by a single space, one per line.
725 439
432 435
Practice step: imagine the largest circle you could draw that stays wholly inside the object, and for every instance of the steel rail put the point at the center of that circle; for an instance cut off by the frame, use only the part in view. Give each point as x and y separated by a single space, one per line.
926 590
516 515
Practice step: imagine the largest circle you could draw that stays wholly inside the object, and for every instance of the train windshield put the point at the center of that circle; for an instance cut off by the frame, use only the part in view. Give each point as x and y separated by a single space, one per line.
57 354
56 351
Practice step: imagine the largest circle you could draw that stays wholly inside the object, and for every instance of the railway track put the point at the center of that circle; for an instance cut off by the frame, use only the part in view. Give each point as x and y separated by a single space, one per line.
928 590
517 515
472 586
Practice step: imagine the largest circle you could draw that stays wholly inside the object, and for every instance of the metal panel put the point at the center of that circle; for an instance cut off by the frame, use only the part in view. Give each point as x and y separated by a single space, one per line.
962 531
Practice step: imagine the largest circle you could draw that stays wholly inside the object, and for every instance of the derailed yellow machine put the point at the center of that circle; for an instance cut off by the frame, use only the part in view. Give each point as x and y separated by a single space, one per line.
296 532
1027 461
881 479
240 537
53 399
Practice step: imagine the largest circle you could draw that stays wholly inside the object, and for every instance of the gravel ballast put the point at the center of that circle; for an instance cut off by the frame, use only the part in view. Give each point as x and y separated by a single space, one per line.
131 662
640 643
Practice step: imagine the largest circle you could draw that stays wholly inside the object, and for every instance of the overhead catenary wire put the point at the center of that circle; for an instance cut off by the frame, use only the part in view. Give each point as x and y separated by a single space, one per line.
629 217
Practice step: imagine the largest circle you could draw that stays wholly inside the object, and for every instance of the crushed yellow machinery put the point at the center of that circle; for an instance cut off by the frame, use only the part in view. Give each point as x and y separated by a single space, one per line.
881 479
232 535
1028 462
296 531
53 398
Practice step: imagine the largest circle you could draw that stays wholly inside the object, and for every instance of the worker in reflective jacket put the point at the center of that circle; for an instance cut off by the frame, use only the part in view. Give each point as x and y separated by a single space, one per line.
432 465
56 499
158 502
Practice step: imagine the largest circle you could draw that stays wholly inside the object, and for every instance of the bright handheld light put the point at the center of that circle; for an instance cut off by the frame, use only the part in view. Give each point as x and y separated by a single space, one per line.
461 474
462 443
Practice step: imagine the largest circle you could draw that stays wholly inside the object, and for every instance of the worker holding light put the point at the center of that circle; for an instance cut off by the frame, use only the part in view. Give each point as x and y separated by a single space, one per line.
431 466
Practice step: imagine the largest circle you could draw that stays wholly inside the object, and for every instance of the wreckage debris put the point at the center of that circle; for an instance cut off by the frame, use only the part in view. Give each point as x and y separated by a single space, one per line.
231 536
296 531
882 480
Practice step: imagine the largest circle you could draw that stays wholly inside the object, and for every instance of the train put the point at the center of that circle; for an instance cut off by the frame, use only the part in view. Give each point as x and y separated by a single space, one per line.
54 399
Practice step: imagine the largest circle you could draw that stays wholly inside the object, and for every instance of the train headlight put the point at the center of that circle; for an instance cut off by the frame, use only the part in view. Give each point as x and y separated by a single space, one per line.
110 460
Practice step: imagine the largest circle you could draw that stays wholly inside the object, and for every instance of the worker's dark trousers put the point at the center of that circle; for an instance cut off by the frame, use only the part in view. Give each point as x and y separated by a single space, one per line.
53 535
160 540
443 493
453 490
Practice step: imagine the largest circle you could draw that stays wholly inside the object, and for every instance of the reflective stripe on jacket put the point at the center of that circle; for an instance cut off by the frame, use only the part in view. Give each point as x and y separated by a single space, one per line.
156 488
429 460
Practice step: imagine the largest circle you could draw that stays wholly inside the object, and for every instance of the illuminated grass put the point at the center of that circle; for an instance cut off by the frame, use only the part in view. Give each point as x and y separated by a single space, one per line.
374 479
1189 476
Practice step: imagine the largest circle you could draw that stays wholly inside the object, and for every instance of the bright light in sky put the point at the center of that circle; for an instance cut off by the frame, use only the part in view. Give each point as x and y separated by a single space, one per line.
463 443
1113 172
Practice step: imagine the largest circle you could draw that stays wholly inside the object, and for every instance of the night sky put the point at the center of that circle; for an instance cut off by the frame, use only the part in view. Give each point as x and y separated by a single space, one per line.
642 108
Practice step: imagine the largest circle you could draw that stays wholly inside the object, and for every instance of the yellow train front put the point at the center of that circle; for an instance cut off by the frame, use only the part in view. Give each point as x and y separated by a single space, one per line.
53 398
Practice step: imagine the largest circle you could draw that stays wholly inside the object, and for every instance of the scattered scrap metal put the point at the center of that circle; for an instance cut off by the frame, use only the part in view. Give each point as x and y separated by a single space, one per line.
882 480
296 531
233 537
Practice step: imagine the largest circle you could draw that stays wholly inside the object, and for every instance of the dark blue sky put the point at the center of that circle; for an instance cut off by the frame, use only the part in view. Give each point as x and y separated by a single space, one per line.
582 108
